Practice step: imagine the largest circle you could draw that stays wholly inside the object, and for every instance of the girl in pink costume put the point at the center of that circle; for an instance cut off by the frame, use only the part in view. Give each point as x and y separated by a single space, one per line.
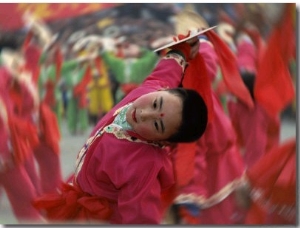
123 169
257 131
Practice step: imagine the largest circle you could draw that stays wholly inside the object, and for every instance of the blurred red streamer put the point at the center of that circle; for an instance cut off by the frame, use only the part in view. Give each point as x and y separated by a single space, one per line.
11 13
274 88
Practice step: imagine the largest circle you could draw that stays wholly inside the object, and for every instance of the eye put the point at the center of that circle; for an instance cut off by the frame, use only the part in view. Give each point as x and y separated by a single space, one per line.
155 104
156 125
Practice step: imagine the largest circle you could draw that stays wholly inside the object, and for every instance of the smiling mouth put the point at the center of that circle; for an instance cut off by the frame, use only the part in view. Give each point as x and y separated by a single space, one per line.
133 115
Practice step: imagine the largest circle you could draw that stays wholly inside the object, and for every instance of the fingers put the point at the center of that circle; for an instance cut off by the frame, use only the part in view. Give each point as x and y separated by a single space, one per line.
195 44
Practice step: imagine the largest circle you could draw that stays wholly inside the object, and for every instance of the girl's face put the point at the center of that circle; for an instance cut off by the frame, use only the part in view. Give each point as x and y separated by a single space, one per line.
155 116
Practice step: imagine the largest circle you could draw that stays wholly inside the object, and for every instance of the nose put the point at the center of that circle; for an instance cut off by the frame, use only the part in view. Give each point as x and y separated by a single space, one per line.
149 114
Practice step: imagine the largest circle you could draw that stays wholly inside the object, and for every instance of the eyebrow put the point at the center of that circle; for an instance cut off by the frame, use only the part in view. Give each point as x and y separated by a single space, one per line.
161 122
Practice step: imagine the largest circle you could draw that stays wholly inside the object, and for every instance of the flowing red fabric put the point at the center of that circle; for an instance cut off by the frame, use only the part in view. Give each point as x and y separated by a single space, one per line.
256 215
287 38
58 61
50 96
98 62
24 138
266 175
80 89
278 181
49 127
120 52
229 68
274 88
32 54
27 40
72 204
184 162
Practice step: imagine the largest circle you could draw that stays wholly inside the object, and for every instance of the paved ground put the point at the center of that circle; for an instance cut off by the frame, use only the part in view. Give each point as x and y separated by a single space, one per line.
70 146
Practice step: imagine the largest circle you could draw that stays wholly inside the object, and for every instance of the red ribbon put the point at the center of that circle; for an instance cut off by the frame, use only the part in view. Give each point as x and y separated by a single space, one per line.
73 204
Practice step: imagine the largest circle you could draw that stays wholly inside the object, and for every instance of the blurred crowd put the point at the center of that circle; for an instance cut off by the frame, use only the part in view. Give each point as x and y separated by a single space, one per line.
151 21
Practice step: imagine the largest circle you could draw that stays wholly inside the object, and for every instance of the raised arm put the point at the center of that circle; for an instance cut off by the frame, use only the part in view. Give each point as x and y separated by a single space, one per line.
170 69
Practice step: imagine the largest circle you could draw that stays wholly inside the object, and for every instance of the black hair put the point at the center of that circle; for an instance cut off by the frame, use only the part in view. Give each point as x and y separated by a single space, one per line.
9 41
249 80
194 116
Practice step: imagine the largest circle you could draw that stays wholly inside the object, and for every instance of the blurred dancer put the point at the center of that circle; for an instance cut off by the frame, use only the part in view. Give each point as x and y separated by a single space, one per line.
47 152
130 66
77 74
129 63
49 80
208 169
99 91
197 209
258 129
18 137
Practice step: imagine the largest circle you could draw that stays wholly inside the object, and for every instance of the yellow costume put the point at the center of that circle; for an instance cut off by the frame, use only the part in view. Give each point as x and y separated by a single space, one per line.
100 99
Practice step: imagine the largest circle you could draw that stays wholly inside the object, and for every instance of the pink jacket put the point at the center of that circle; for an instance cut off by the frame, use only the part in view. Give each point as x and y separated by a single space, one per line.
131 175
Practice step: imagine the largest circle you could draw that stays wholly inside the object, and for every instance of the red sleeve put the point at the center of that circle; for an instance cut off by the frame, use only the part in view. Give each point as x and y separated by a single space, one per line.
167 73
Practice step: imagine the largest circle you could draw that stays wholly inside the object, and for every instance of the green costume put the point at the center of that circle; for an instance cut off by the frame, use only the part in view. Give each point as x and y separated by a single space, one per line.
130 70
77 117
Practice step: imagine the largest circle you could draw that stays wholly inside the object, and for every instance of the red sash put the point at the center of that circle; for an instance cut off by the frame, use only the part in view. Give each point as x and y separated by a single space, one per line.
72 204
